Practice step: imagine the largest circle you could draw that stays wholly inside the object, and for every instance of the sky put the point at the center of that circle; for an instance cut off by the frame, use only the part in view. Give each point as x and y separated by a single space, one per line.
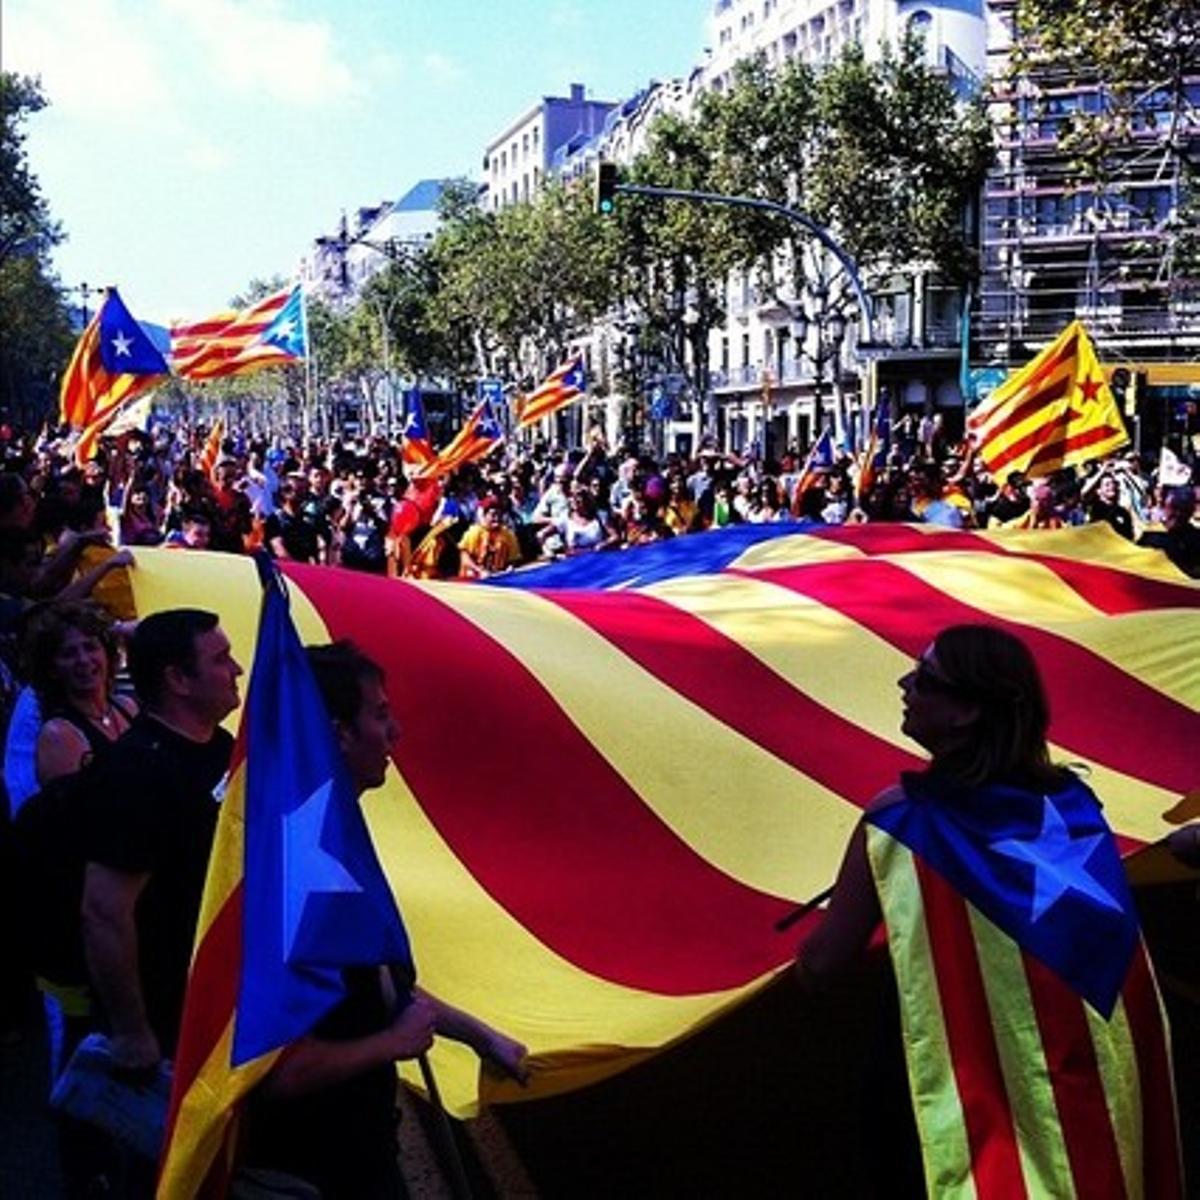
190 146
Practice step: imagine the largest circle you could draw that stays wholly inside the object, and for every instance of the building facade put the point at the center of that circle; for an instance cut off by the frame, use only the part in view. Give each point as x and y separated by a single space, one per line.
517 161
1055 250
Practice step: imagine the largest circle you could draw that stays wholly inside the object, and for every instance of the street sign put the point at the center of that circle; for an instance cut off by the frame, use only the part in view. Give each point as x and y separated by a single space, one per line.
491 390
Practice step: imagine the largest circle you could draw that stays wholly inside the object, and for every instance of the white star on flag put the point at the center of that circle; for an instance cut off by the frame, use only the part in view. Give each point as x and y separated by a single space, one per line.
308 869
1059 863
122 344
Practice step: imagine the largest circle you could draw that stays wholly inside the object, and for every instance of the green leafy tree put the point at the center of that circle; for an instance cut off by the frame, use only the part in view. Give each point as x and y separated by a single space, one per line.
35 332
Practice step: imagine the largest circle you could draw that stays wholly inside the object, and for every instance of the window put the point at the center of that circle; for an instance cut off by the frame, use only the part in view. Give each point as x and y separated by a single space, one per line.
745 349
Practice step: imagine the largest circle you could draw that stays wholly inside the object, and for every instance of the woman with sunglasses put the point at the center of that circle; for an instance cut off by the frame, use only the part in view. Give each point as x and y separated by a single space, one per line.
1032 1035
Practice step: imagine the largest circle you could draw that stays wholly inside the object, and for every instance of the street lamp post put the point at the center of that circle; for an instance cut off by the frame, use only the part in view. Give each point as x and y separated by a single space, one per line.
830 335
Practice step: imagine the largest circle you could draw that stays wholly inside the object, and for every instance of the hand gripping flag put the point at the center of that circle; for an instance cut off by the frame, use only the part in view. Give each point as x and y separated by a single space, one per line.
294 893
114 361
1058 411
272 331
416 449
672 745
478 437
558 390
1037 1048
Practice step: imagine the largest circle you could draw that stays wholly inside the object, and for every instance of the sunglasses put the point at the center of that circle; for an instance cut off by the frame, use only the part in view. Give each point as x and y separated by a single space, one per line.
928 682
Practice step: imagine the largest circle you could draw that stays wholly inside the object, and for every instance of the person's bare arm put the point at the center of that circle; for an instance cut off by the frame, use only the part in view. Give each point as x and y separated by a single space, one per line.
111 945
313 1063
852 915
490 1044
60 750
82 587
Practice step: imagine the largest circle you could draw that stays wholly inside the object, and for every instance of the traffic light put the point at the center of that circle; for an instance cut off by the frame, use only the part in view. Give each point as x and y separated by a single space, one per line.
606 188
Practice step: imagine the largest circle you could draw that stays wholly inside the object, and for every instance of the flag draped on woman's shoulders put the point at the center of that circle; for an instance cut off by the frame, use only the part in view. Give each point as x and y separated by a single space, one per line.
294 893
1037 1048
1057 411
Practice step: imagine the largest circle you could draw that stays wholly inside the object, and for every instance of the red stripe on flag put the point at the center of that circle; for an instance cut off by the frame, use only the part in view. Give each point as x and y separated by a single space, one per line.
1112 591
537 815
1162 1157
732 685
1087 1130
1058 450
1060 358
1155 744
1028 407
991 1133
211 998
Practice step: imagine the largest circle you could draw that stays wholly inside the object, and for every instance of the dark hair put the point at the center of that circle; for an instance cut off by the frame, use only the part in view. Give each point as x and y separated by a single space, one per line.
45 631
13 490
340 670
163 640
195 516
996 671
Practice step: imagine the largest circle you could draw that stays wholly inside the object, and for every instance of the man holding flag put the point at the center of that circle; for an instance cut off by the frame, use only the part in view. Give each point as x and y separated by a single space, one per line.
301 993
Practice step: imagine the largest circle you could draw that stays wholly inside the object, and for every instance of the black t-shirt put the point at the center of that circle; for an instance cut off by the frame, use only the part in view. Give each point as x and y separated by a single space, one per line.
341 1138
154 812
298 535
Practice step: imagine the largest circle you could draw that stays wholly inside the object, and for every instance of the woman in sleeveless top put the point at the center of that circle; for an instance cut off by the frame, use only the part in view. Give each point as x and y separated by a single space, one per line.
72 656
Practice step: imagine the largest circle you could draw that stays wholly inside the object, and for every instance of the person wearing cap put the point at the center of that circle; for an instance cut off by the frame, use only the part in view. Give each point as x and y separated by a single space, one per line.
488 547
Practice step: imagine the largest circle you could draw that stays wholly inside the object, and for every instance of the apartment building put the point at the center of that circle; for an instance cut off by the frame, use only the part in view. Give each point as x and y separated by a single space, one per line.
517 161
1054 251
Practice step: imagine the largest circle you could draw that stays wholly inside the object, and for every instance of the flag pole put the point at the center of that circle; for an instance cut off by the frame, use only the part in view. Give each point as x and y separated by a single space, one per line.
404 979
785 923
459 1186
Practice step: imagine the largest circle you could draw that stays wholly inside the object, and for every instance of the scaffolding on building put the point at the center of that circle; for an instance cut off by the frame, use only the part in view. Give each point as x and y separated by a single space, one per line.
1056 248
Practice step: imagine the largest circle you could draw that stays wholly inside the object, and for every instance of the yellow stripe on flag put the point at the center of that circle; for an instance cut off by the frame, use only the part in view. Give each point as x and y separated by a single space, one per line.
1040 1143
685 764
936 1102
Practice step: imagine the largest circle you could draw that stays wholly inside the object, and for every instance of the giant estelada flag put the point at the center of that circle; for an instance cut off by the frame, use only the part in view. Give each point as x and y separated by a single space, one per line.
615 774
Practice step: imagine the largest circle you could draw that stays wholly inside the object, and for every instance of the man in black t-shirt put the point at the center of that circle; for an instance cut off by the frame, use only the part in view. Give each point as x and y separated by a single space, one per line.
152 816
289 533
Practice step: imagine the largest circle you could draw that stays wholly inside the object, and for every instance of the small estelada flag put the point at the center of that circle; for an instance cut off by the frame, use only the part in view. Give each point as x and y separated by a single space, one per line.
1057 411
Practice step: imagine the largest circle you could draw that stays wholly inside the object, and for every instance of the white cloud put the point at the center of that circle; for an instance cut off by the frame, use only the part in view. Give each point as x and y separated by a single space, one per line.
95 59
255 48
441 68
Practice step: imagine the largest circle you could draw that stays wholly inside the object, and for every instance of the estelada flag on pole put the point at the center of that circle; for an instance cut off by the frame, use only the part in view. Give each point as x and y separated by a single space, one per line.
416 447
1038 1055
294 893
212 446
270 332
478 437
558 390
114 361
1057 411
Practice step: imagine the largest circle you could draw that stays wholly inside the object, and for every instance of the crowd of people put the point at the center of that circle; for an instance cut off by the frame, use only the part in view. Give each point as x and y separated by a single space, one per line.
342 502
132 710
